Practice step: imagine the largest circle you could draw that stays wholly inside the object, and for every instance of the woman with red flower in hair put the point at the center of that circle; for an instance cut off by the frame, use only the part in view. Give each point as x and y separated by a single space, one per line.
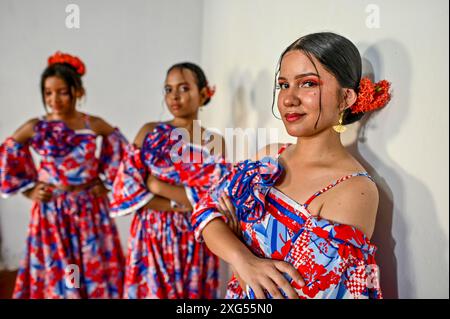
73 249
302 216
160 179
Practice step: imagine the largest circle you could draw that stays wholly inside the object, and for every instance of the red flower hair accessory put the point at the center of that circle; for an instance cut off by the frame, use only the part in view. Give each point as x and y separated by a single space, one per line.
73 61
210 91
371 96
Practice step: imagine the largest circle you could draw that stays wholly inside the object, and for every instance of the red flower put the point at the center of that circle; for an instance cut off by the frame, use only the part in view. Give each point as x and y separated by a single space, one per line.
74 61
210 91
371 96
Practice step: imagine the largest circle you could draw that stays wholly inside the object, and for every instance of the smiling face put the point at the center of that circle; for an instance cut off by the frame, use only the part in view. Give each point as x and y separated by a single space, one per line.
181 93
58 97
302 89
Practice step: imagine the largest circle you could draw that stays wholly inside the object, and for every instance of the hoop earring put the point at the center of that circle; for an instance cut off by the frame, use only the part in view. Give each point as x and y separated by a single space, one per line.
340 128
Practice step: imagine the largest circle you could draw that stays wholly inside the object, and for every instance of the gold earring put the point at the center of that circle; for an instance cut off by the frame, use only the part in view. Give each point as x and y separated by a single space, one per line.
340 128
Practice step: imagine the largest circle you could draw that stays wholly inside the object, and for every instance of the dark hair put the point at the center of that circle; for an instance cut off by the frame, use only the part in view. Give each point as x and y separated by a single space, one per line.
200 76
65 72
338 55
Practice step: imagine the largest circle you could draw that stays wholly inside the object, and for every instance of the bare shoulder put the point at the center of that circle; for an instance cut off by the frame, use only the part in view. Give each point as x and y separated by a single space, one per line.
26 131
268 150
143 131
99 125
353 202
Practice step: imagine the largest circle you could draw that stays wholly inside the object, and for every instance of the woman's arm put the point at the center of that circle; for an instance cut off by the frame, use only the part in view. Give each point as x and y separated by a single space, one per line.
163 204
173 192
260 274
100 126
25 132
40 192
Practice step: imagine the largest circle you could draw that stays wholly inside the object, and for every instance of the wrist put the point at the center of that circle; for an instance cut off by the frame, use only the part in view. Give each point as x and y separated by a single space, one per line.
240 256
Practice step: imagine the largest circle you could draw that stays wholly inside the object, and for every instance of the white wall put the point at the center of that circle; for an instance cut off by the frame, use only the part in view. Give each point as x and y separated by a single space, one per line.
127 47
406 146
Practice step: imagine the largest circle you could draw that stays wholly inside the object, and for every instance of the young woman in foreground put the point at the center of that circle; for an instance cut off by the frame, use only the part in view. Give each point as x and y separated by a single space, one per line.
305 218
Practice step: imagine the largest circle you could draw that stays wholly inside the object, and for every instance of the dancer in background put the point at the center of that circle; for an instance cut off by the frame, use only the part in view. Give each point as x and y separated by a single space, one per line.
73 249
160 179
306 214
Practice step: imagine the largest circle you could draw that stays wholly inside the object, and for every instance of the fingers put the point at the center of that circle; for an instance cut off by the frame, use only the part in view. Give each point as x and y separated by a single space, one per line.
224 210
183 209
283 283
99 190
258 291
227 208
228 204
269 276
221 205
44 193
291 271
272 288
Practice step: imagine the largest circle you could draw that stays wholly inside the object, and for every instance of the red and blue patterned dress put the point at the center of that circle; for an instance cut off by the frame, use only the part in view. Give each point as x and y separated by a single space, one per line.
336 261
73 248
164 260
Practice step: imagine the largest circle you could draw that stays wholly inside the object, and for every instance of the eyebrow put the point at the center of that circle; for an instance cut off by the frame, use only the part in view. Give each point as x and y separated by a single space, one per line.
57 89
181 83
300 76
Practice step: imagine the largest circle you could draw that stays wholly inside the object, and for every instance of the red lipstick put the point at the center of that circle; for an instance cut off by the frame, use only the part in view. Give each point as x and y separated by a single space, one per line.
292 117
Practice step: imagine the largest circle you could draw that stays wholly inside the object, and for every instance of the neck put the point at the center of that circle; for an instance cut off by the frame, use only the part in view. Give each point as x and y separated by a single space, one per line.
65 116
192 127
185 122
320 149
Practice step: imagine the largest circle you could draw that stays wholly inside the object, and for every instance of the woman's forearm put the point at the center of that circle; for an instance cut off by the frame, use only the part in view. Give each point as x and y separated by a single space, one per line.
173 192
159 203
221 240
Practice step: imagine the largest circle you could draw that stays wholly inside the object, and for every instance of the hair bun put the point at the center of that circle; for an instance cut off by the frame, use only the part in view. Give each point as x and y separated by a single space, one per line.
65 58
371 96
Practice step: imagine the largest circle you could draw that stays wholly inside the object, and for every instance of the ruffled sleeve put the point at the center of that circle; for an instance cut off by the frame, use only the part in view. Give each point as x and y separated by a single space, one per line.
246 185
176 162
112 151
130 191
201 172
17 170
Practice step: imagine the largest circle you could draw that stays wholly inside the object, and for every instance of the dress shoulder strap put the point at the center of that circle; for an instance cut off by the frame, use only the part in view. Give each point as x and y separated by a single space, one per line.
87 123
336 182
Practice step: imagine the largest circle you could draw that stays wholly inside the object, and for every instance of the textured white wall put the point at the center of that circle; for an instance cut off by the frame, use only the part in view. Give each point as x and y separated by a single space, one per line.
405 146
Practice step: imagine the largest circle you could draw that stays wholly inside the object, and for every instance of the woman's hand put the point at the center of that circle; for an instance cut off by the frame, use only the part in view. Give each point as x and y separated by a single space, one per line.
41 192
182 209
99 190
226 207
241 282
267 275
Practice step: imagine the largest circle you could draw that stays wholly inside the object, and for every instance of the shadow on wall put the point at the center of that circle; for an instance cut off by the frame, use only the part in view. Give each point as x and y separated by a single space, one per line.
251 100
397 244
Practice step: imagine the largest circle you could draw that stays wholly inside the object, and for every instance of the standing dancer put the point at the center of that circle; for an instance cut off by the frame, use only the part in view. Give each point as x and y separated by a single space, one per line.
73 249
161 178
